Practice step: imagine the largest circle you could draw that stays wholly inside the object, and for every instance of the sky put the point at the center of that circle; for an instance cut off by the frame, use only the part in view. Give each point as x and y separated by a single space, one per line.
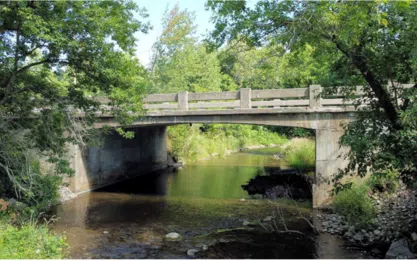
156 9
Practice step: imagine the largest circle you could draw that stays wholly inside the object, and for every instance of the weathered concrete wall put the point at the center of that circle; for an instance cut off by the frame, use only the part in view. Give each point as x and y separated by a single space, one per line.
329 159
119 158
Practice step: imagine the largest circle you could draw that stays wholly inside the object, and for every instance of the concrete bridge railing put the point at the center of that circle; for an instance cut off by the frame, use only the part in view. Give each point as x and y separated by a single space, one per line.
246 98
315 96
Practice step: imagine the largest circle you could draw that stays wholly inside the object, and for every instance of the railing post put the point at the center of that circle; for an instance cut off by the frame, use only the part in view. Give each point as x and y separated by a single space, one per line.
183 101
314 96
245 98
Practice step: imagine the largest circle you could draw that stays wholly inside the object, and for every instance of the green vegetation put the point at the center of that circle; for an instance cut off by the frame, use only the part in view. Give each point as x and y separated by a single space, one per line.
299 153
386 181
56 56
179 62
21 237
355 205
30 241
196 142
367 43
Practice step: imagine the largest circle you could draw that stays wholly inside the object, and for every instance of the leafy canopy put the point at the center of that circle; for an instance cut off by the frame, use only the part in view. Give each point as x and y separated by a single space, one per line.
370 43
56 56
180 63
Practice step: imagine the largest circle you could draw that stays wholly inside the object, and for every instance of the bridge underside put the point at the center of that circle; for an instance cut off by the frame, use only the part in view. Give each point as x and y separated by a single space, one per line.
327 123
290 117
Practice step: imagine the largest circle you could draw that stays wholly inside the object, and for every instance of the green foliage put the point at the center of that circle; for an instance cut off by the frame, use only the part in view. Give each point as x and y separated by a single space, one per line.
385 181
369 43
270 67
55 57
300 153
180 63
250 67
30 241
191 143
355 205
294 132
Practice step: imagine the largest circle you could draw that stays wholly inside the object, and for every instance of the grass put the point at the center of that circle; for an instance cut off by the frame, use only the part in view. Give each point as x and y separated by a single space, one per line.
299 153
191 143
30 241
355 205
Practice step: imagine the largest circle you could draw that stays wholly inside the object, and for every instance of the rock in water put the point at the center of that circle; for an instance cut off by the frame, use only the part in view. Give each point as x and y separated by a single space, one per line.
358 236
192 252
65 194
173 236
399 249
203 247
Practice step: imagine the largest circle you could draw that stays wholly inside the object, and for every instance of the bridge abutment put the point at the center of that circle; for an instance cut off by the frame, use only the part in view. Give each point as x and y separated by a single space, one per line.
118 158
328 162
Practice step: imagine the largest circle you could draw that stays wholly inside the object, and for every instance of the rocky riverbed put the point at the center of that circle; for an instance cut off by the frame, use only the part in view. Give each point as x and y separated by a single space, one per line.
393 233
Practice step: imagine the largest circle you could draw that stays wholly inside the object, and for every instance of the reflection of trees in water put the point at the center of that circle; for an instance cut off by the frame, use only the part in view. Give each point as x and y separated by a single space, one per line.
211 181
263 246
104 209
150 184
115 211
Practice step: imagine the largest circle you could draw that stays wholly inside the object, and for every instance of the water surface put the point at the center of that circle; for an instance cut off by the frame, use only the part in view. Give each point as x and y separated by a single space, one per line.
203 202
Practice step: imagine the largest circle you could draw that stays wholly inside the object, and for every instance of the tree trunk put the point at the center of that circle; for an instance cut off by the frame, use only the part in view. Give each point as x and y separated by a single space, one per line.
382 94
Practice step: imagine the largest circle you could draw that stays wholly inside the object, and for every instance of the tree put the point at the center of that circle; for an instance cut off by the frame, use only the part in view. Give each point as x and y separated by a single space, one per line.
365 42
271 67
181 63
249 67
54 57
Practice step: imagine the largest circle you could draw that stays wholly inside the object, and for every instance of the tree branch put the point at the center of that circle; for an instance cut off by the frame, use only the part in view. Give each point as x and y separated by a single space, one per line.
407 101
383 96
24 68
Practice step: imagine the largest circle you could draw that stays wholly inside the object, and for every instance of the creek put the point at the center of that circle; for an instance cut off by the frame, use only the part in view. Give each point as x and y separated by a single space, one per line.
202 202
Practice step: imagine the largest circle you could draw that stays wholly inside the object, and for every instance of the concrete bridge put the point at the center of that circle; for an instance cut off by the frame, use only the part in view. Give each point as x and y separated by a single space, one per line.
301 107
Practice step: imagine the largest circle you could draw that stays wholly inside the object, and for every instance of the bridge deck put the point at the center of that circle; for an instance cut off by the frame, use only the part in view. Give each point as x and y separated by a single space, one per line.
246 101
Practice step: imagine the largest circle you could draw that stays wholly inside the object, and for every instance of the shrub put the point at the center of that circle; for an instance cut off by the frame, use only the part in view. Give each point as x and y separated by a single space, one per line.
385 181
354 204
299 153
30 241
190 143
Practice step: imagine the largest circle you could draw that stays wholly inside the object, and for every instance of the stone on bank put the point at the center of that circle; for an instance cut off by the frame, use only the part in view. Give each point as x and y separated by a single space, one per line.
173 236
399 250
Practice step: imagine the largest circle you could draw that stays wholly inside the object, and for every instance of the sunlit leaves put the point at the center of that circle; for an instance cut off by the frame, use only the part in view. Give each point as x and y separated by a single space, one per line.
369 43
180 62
55 57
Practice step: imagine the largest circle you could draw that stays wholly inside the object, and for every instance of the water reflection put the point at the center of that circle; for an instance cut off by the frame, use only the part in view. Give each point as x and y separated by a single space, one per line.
211 181
130 219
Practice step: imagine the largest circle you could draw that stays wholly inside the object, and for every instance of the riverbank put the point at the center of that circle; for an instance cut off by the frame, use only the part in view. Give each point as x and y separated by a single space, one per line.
24 235
189 144
198 142
391 234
